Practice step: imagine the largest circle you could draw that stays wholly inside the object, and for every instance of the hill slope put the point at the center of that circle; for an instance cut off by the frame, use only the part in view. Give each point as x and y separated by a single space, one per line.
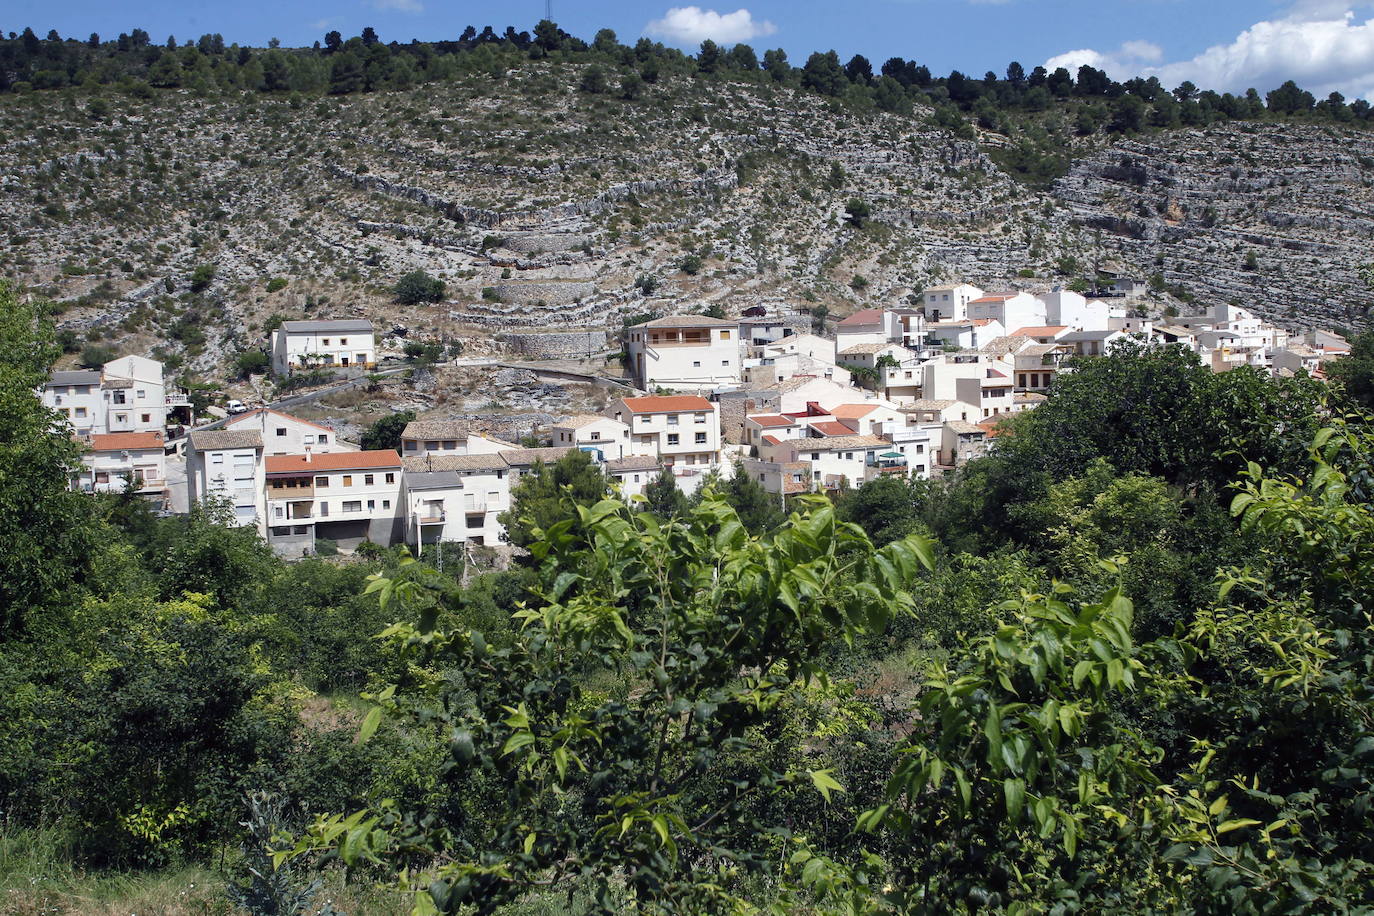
545 207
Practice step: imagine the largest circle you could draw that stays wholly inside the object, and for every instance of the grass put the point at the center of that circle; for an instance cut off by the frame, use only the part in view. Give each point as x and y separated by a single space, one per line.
40 877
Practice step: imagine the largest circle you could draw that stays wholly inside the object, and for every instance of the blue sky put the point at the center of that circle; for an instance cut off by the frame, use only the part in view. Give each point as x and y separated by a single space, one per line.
1226 44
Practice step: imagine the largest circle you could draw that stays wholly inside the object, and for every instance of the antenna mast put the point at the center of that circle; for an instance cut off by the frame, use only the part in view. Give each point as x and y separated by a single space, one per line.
548 10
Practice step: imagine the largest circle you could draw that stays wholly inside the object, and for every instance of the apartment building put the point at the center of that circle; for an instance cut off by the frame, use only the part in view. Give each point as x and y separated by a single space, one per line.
345 497
688 352
948 303
456 499
227 465
120 462
127 395
682 431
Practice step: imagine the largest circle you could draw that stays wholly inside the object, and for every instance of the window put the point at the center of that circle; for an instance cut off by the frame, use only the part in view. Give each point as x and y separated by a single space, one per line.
696 364
371 505
80 413
816 456
121 418
386 504
672 419
217 458
848 456
279 512
324 437
119 397
309 439
476 521
141 393
672 438
343 341
596 437
701 438
724 335
283 531
368 480
352 505
699 418
391 478
725 362
324 509
281 432
636 478
326 341
348 480
322 482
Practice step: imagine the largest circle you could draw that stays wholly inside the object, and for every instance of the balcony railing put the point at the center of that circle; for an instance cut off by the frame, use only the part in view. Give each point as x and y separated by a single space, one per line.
432 516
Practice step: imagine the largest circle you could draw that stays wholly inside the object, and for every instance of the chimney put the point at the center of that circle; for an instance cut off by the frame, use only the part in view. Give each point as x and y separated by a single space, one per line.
307 454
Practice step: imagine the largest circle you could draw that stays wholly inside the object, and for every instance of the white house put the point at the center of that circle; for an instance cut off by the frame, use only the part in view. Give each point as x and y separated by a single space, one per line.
841 460
945 303
456 498
120 461
346 497
283 434
344 343
1010 309
866 326
681 431
76 395
609 438
446 437
964 334
633 473
810 345
868 355
227 464
1065 307
690 352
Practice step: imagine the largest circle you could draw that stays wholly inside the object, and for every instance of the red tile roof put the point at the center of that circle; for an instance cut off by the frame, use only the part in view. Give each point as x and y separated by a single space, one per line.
1039 330
771 419
998 297
661 404
334 461
125 442
831 428
862 317
853 411
772 440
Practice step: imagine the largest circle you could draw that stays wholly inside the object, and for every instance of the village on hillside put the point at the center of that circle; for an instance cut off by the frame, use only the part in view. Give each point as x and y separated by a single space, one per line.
911 391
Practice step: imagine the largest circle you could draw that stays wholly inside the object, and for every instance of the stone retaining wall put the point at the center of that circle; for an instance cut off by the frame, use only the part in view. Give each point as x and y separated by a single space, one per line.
554 344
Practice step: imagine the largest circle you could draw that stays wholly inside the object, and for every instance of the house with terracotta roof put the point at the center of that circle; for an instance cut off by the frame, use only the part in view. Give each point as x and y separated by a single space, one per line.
226 466
1038 365
778 426
122 462
1043 333
685 352
632 473
866 326
345 497
283 434
608 438
682 431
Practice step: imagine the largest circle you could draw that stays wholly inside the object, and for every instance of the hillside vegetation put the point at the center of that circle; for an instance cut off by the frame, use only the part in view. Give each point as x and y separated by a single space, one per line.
174 201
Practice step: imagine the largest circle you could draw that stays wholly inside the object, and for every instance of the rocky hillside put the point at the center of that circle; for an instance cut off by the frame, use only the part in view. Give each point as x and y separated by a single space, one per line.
181 224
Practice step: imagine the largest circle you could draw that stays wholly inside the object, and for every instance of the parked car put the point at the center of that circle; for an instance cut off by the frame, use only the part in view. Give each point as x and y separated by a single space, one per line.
236 406
755 311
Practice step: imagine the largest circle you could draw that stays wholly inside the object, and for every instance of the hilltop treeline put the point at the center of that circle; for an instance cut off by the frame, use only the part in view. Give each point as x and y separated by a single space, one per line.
136 63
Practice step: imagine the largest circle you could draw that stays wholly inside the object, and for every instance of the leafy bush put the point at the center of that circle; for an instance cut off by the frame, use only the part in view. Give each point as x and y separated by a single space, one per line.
417 287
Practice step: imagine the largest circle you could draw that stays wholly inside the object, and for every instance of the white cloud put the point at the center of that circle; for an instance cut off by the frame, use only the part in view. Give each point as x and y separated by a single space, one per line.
1320 44
689 26
404 6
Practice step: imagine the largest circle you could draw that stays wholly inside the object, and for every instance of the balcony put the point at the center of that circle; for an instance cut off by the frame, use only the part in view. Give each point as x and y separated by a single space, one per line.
428 516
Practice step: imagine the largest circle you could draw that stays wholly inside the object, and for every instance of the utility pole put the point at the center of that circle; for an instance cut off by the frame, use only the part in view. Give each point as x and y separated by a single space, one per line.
548 10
